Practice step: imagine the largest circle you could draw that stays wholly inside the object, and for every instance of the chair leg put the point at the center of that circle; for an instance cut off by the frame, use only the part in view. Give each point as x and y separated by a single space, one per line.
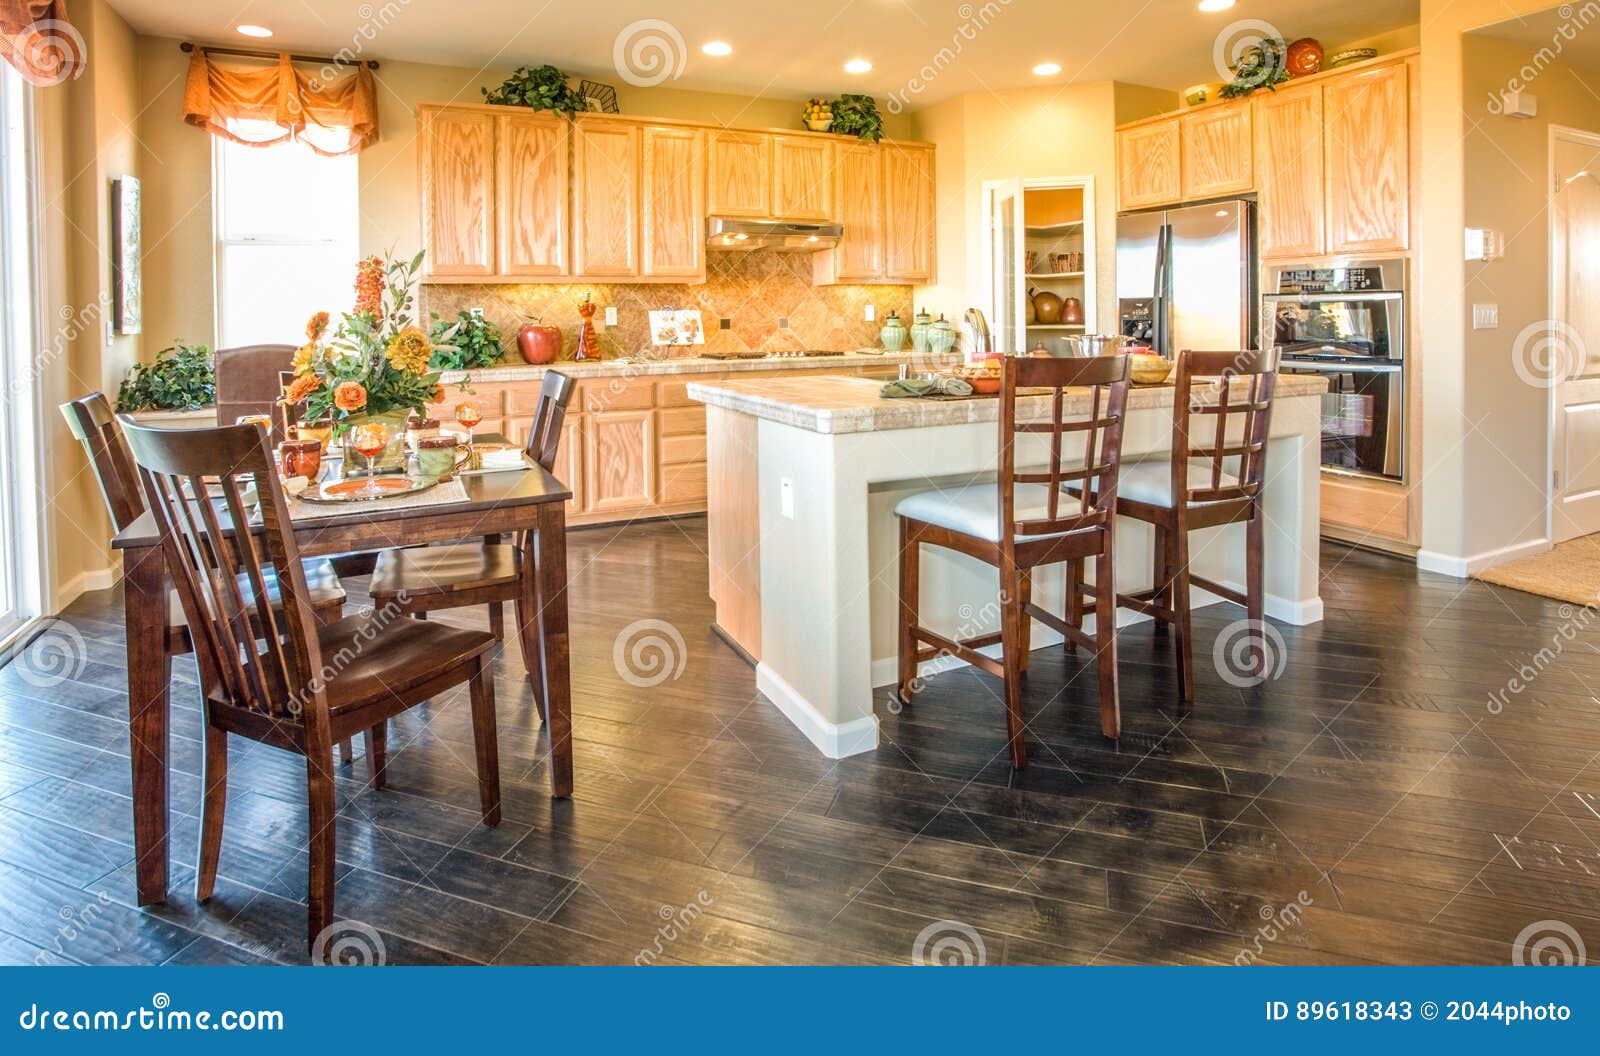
345 753
483 736
1105 639
1255 593
376 740
1011 618
528 638
1024 599
1159 580
212 809
910 602
1181 616
1074 600
497 621
319 887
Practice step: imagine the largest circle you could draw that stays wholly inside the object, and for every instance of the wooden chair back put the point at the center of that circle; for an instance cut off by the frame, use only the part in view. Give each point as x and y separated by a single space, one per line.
1259 370
1106 377
248 382
549 417
251 654
93 424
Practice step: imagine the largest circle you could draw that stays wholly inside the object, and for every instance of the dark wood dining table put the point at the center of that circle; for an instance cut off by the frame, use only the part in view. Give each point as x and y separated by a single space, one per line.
529 505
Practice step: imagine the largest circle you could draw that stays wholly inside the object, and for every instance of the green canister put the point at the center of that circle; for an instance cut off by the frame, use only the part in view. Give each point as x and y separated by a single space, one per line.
893 334
941 337
919 332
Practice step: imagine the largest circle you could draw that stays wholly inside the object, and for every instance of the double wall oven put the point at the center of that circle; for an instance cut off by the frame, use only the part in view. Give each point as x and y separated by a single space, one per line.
1347 323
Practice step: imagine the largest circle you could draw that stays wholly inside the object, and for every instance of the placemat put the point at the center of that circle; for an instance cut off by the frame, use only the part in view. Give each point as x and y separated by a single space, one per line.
441 495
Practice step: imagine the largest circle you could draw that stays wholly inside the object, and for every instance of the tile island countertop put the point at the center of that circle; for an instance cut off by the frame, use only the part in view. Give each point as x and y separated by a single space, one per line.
642 366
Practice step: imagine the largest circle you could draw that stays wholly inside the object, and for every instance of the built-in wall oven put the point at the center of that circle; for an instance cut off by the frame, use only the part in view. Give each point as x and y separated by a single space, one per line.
1347 322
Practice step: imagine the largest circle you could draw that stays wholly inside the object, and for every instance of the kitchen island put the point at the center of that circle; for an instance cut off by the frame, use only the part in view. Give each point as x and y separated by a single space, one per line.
803 479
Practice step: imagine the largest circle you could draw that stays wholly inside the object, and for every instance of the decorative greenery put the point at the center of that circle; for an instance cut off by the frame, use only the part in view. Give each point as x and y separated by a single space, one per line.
470 341
183 377
544 88
1262 65
857 115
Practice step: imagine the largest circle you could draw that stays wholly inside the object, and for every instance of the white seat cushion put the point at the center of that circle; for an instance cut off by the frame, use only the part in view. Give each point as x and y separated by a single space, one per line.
1150 481
975 509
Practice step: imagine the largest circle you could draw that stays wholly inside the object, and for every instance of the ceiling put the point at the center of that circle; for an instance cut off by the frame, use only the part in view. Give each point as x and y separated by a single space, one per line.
1566 35
785 48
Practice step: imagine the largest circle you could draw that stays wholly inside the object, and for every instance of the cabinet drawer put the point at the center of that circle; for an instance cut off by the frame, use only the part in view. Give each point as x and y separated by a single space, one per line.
682 420
687 448
615 394
676 393
685 483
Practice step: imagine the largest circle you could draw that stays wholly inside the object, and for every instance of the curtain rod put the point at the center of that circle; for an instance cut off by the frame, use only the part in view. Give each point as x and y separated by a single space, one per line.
326 60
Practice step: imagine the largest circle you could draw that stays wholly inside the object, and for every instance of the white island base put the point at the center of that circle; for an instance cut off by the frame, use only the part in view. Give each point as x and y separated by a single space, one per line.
804 475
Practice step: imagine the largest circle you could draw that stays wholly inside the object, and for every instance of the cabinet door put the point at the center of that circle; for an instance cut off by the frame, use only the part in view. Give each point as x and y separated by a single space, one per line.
1215 147
673 213
908 212
532 201
1289 184
605 199
568 467
739 180
1368 173
1147 165
802 178
457 192
619 460
858 189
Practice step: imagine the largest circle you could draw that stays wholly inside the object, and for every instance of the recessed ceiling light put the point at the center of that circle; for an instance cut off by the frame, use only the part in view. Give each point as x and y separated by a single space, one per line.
858 66
1047 69
255 31
718 48
1215 5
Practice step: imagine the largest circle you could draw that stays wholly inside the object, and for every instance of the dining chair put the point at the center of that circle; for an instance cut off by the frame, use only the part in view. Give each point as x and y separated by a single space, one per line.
1195 489
300 685
1024 521
425 579
249 382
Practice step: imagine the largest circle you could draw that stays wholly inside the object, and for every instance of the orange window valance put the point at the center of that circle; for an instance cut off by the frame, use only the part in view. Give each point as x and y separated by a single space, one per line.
261 106
37 39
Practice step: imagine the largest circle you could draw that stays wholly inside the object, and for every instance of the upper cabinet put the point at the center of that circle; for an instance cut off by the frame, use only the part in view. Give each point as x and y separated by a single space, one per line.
1148 172
532 153
802 178
908 212
672 214
1366 135
1290 185
605 198
739 174
858 188
458 186
1215 147
885 202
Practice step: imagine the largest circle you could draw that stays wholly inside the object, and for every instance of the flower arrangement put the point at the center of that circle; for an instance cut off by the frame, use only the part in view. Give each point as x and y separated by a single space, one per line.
376 361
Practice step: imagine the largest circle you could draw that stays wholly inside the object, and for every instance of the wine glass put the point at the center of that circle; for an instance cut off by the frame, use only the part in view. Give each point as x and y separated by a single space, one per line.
369 440
468 415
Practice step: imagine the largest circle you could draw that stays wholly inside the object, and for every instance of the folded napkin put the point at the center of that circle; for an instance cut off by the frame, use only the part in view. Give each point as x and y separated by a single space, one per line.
943 385
505 458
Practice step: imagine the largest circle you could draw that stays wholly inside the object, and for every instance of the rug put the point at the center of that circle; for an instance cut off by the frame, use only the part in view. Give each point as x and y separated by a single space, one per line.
1569 572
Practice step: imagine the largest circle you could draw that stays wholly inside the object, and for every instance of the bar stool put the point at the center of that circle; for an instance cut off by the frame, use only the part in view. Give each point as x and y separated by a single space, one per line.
1021 522
1191 490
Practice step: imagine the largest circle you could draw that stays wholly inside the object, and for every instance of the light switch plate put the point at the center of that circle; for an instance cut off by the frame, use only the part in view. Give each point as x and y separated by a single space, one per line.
1485 316
872 313
611 315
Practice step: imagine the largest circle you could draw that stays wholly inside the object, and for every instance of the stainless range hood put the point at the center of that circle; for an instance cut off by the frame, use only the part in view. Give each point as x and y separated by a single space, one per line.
787 236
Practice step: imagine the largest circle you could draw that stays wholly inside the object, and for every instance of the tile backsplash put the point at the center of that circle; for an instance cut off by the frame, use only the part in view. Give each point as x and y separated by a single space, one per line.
767 297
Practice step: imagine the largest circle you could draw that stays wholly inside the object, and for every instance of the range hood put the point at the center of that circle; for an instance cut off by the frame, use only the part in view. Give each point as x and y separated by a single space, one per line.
787 236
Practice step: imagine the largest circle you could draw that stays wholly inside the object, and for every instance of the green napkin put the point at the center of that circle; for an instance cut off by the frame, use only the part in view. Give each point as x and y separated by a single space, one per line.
943 385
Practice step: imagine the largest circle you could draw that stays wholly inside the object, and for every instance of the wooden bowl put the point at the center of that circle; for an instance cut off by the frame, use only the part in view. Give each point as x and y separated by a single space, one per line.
1148 369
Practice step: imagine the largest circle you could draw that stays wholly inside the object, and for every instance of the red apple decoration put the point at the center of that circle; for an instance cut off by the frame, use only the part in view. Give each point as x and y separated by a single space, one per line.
539 344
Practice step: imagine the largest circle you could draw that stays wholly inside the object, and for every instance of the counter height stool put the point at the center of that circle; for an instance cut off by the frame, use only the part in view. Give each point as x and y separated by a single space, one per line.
1021 522
1192 490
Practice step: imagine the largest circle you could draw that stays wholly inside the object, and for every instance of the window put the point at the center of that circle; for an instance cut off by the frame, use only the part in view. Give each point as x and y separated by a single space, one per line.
286 220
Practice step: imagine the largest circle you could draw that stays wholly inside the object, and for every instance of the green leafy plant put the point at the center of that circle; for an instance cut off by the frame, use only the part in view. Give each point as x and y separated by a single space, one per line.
470 341
857 115
543 88
1262 65
183 377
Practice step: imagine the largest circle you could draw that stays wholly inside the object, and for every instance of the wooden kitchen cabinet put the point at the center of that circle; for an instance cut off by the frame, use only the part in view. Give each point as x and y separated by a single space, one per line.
672 215
739 174
858 190
1148 170
1289 178
458 192
605 199
531 183
619 456
1365 147
1216 149
908 212
802 178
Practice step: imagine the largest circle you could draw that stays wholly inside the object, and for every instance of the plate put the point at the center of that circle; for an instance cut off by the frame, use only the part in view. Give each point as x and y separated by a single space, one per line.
355 489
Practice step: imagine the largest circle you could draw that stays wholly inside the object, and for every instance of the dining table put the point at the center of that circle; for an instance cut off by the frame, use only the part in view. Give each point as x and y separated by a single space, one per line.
529 505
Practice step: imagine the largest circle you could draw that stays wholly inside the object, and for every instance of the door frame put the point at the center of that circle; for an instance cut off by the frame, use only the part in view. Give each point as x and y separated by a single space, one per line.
1555 134
1091 255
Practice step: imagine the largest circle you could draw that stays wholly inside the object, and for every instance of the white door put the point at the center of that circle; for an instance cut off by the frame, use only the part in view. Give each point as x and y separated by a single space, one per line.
1007 294
1571 350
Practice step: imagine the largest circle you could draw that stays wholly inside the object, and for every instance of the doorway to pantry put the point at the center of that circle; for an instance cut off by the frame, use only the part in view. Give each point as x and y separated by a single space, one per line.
1041 274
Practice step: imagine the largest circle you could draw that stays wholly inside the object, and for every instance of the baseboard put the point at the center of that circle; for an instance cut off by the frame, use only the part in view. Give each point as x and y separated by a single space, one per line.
81 584
1462 567
834 740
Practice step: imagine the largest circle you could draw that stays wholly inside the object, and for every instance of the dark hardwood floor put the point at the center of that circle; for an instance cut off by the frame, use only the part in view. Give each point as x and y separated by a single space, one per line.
1373 803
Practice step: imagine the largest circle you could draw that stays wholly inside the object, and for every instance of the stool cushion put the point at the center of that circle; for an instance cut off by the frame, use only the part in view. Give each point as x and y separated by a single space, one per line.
975 509
1150 481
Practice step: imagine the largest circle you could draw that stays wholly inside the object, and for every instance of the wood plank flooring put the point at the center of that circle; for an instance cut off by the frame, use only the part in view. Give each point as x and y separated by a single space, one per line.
1384 800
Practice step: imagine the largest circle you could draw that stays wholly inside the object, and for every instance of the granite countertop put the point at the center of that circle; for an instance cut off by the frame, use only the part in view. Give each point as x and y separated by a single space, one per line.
639 367
852 405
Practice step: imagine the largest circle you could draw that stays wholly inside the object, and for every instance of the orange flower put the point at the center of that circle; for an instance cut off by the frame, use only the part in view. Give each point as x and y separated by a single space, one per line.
369 287
302 386
408 351
437 395
316 327
350 396
302 357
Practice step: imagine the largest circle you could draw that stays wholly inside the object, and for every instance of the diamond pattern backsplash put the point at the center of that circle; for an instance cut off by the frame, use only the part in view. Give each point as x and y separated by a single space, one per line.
754 290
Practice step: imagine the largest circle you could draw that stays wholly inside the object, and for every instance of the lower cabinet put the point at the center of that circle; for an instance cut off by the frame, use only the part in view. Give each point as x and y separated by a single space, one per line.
619 460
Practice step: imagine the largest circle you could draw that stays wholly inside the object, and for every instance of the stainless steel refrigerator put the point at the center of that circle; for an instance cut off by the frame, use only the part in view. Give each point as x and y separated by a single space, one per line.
1186 278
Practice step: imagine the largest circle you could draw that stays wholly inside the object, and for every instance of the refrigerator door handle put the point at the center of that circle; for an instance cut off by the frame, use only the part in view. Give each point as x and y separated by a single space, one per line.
1160 307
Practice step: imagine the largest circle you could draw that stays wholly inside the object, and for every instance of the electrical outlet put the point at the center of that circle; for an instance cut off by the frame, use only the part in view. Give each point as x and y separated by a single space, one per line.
611 315
872 313
1485 316
786 497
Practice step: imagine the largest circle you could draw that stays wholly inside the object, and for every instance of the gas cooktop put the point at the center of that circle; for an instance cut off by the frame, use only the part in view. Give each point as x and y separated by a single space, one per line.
805 353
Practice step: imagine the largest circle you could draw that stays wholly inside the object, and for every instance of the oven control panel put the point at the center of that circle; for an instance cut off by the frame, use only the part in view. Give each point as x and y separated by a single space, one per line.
1331 280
